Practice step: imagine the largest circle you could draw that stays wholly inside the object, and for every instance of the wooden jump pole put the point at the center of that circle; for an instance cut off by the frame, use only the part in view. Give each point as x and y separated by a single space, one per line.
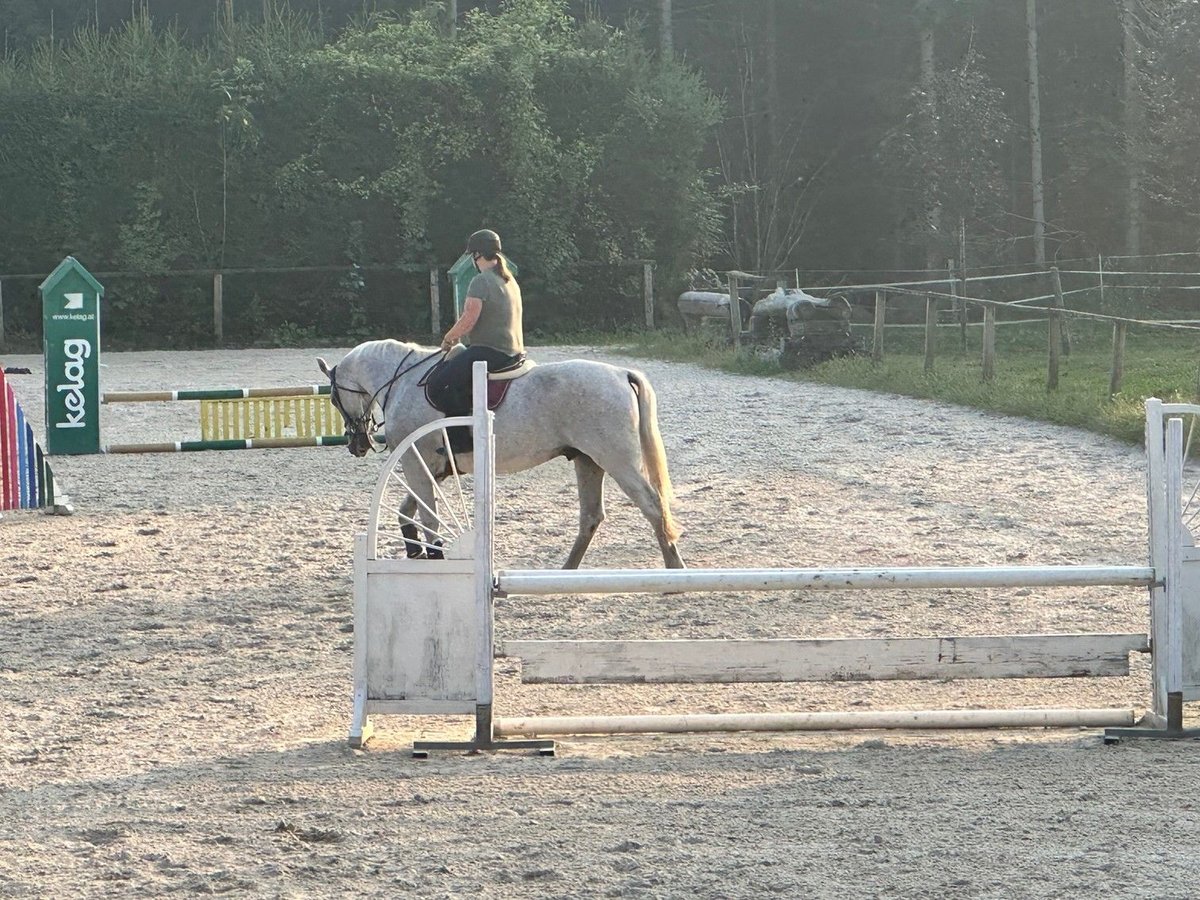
816 721
653 581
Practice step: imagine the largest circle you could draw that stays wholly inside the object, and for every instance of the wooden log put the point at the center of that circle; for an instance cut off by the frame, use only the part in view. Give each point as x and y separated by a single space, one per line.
833 659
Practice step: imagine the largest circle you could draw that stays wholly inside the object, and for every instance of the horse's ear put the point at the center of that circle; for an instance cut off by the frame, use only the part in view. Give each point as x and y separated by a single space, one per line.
324 367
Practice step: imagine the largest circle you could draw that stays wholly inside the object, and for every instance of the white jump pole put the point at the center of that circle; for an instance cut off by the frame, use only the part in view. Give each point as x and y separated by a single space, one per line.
817 721
653 581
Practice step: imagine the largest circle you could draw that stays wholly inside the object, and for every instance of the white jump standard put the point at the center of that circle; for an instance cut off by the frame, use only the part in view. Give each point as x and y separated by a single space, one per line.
424 642
423 630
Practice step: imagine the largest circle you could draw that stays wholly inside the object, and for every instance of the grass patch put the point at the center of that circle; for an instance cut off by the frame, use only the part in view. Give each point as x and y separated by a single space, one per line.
1157 364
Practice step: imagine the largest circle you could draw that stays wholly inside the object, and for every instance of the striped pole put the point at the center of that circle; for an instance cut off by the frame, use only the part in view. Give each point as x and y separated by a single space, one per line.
10 491
26 481
214 394
276 443
230 444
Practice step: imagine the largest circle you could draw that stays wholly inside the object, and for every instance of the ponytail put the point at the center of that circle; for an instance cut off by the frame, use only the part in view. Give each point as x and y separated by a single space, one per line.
502 268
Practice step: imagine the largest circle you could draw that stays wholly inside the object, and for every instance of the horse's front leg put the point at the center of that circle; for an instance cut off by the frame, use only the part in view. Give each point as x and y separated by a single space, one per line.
406 513
421 505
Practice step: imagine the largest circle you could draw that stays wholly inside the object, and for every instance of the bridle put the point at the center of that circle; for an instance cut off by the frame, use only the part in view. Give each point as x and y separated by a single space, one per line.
366 424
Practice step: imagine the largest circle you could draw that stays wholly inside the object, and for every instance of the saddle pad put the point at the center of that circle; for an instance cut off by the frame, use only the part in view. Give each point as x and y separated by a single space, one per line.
496 392
516 371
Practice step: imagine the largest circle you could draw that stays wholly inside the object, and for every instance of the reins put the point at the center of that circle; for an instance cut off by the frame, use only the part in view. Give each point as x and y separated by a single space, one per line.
366 423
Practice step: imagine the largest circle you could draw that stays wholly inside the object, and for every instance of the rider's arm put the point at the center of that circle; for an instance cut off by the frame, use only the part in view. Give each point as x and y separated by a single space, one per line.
460 329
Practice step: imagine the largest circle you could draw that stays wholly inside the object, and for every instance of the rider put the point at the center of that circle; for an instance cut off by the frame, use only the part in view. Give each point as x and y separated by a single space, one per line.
491 321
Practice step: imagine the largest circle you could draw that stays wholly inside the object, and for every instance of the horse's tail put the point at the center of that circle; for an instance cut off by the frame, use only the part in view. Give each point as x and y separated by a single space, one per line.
653 455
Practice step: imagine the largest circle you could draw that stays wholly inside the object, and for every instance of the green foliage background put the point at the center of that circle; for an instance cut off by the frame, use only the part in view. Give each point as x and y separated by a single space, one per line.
269 145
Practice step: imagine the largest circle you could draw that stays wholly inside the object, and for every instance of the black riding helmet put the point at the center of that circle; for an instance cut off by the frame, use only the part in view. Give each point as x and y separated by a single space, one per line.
484 242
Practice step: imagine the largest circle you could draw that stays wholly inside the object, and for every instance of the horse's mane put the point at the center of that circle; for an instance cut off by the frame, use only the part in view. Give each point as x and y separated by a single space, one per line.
389 348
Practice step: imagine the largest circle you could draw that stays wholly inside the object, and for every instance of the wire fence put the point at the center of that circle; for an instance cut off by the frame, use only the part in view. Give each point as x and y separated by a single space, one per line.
286 305
1126 300
272 306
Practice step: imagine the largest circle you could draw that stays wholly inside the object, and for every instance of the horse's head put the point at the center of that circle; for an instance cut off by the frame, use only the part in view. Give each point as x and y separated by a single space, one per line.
356 405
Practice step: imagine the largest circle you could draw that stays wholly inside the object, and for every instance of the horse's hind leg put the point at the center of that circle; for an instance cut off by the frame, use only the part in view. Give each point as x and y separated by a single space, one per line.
590 479
642 493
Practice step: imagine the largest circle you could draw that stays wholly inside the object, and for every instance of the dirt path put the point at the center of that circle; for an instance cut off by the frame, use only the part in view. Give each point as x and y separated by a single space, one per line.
175 669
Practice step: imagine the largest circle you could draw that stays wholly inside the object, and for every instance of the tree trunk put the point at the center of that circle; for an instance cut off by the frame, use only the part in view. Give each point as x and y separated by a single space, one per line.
1133 122
933 209
666 40
1035 136
774 106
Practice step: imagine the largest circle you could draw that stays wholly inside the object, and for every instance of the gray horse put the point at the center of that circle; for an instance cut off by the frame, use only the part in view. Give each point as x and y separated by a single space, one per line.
602 417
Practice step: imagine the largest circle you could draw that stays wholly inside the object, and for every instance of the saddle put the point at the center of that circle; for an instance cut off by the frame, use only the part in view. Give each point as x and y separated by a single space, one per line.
498 381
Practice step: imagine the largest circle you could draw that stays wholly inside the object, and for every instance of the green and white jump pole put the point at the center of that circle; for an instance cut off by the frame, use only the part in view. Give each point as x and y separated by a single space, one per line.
71 346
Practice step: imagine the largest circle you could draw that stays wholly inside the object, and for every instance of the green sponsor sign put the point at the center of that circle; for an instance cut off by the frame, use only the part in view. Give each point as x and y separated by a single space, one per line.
71 346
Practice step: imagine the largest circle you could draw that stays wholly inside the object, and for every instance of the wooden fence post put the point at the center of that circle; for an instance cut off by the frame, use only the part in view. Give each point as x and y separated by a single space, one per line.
735 313
1118 359
1063 325
435 301
877 334
960 305
930 330
1055 345
218 309
989 342
648 292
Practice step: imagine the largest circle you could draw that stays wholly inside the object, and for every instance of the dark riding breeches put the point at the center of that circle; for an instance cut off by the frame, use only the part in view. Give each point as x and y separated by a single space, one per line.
449 385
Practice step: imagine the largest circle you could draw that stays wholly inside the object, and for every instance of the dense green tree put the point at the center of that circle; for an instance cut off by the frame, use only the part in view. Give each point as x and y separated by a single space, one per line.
270 146
846 134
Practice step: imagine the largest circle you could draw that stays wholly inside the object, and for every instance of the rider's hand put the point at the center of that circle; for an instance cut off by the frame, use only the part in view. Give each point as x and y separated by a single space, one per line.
447 344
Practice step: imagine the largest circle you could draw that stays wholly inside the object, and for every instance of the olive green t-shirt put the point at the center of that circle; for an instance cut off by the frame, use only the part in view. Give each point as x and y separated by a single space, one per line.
499 322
